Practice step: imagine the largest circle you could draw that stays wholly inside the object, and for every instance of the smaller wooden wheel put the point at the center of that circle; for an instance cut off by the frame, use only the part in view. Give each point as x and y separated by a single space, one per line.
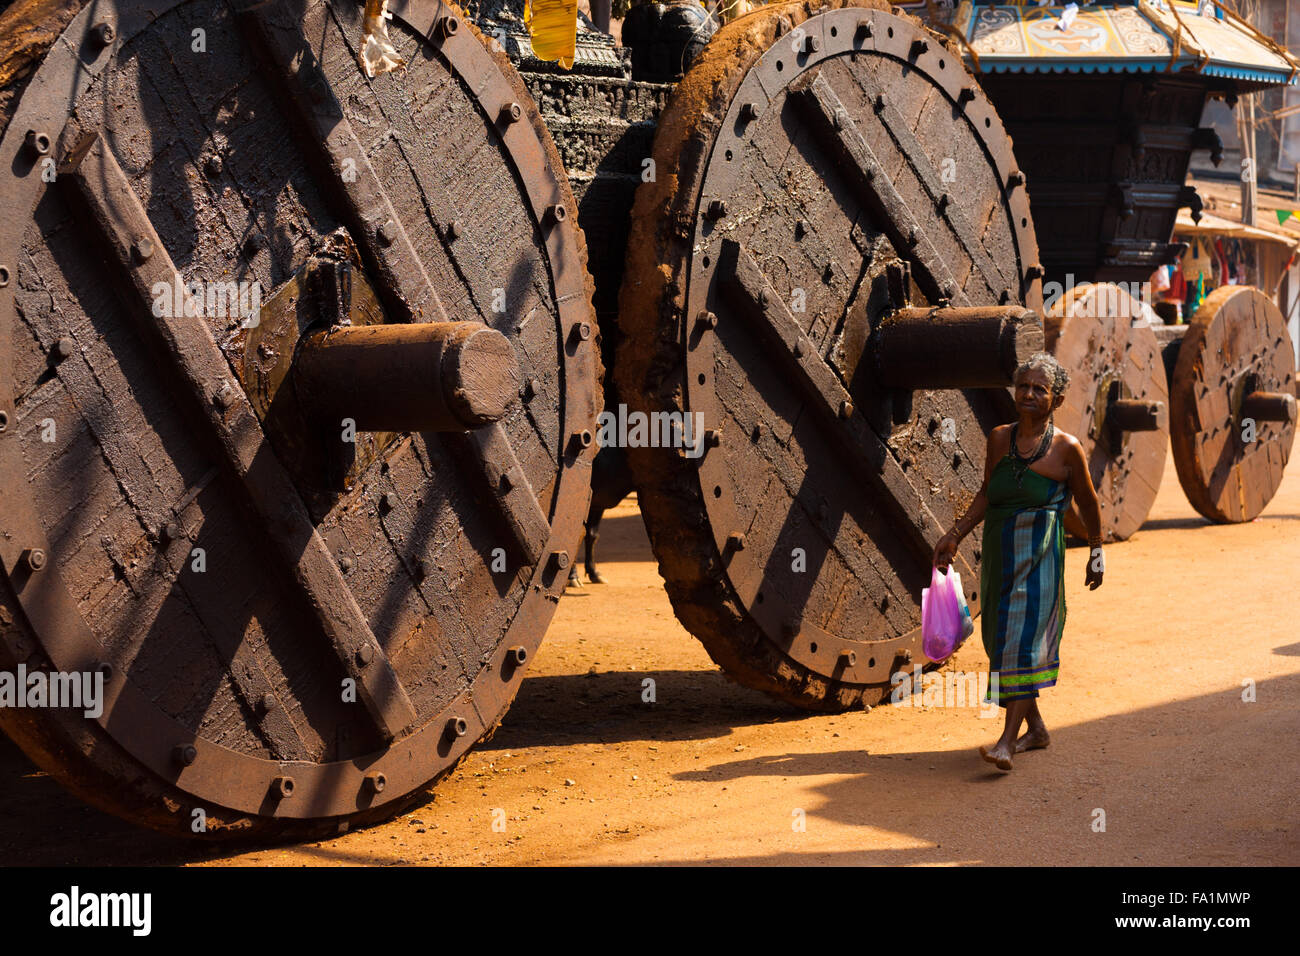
1233 406
1117 402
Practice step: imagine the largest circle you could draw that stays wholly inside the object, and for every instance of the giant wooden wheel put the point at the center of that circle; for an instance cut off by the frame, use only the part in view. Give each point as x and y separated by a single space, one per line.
297 631
1233 404
837 244
1117 402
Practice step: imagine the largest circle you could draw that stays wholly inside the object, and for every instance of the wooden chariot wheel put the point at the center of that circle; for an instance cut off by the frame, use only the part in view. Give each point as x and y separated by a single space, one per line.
1117 404
835 270
1233 405
308 546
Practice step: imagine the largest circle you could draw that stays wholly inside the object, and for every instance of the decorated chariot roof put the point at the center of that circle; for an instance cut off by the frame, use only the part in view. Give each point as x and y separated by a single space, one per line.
1147 36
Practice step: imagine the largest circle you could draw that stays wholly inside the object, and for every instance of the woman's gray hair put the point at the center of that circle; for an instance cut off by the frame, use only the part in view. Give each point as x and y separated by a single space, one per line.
1056 373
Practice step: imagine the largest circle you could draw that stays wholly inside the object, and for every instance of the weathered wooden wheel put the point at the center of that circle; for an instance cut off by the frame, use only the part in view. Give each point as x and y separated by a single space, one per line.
1117 402
1233 409
298 631
836 243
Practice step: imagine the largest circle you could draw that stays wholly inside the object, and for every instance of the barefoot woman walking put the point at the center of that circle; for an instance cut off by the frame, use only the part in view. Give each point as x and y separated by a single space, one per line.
1031 470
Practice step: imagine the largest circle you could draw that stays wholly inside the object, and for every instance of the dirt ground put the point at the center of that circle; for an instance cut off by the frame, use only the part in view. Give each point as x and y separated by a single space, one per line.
1148 725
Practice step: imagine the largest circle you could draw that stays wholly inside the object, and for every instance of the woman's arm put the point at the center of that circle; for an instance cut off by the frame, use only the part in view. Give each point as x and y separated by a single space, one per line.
1085 496
946 548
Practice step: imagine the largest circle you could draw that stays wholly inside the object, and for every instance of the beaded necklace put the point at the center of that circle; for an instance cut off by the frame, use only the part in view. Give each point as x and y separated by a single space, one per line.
1020 464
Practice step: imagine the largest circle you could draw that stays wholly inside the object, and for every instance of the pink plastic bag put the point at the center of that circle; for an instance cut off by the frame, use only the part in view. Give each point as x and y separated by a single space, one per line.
945 618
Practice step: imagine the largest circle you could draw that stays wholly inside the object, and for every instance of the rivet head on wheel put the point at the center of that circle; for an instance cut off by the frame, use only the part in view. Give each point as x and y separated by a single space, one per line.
511 113
517 655
375 782
169 532
457 727
37 144
365 654
225 396
282 787
64 348
387 232
102 34
267 703
142 249
185 754
4 276
561 559
555 214
447 27
34 558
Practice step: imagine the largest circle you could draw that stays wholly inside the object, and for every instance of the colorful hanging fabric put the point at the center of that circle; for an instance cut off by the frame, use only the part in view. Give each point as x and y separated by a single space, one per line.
1177 286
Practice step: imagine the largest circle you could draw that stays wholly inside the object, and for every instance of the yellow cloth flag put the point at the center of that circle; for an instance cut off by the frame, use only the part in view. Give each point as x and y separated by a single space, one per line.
553 28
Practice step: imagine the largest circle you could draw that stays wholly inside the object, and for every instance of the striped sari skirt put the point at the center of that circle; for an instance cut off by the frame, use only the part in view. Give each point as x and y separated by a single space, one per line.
1022 581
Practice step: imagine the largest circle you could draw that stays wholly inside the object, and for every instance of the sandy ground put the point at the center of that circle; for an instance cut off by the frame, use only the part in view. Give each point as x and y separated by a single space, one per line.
1148 725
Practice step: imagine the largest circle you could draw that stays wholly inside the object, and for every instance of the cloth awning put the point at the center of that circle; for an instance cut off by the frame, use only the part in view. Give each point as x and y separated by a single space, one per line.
1211 225
1151 37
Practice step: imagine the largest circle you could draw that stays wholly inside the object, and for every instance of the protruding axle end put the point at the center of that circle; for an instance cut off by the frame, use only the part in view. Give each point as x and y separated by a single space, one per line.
945 347
418 377
1269 407
1135 415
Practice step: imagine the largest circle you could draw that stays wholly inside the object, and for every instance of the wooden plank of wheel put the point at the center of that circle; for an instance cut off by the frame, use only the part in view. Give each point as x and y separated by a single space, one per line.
1117 403
1233 410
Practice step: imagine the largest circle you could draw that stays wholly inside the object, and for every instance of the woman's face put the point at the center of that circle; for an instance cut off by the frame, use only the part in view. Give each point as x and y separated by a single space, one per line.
1034 392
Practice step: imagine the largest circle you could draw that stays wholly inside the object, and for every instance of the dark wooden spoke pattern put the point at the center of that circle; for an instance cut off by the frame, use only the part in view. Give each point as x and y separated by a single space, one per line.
301 625
878 192
1234 364
759 303
1098 333
791 221
126 232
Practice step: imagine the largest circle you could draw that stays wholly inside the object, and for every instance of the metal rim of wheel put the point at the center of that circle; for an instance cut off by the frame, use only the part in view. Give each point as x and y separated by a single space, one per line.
392 586
1236 362
1117 403
699 311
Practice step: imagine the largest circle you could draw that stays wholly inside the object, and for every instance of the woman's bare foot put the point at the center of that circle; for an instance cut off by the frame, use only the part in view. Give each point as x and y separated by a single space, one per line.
1033 740
999 754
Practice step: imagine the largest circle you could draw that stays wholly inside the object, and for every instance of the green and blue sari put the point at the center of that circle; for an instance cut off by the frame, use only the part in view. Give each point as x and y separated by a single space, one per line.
1022 580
